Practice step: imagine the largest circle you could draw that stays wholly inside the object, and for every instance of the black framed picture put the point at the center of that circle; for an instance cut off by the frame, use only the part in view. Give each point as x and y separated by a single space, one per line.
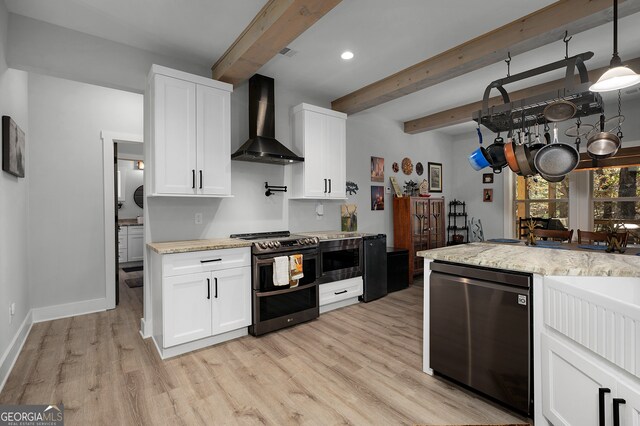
13 151
487 178
435 177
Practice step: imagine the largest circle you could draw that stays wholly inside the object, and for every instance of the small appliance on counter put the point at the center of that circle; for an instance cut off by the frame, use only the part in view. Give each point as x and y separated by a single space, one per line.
375 267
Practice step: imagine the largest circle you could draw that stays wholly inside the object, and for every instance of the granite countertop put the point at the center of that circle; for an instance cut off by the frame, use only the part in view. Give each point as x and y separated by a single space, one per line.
333 235
170 247
129 222
538 260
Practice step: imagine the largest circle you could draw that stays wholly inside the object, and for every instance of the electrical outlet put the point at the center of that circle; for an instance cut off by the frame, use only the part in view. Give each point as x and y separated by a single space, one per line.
388 190
198 218
12 311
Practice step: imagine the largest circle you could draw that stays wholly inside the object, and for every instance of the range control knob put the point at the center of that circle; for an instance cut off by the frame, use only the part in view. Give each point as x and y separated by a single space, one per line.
276 244
316 240
307 241
301 241
270 244
262 245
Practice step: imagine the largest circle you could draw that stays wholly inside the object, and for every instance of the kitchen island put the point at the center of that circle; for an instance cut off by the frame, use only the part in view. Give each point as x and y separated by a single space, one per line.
584 308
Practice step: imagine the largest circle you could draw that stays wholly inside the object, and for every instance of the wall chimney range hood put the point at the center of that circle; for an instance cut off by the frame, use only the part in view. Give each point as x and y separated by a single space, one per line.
262 146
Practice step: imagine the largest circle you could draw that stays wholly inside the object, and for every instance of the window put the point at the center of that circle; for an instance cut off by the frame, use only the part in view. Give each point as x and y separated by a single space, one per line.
615 197
537 198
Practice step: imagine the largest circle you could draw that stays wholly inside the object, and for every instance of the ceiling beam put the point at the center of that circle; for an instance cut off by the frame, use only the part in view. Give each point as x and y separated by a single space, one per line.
462 114
524 34
273 28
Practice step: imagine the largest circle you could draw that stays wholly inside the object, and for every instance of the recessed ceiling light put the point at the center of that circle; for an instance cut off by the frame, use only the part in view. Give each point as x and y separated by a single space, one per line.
346 55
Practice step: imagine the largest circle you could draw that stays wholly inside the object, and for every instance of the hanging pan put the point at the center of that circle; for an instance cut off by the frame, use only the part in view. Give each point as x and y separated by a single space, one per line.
510 156
603 144
526 158
560 111
556 159
496 152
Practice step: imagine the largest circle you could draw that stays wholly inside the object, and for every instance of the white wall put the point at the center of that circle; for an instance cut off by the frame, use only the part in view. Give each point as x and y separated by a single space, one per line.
48 49
131 179
66 241
468 187
14 212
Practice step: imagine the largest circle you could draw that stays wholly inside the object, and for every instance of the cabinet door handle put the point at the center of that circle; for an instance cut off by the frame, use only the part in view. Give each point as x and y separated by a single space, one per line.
329 186
325 186
616 410
601 414
340 292
216 281
193 179
210 260
200 179
208 288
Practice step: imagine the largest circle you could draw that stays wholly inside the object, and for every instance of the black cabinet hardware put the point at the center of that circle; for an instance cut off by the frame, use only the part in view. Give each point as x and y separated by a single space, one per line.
210 260
200 179
325 186
193 179
340 292
616 410
601 416
216 281
208 288
329 186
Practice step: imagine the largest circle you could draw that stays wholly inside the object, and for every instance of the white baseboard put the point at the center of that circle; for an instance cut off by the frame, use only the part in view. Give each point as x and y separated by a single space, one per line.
145 328
10 356
49 313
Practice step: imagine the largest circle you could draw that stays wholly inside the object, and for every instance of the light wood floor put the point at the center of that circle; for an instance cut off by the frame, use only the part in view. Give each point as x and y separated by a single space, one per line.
357 365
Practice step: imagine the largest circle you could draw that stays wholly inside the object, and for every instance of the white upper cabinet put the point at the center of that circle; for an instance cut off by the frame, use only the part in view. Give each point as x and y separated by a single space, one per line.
189 132
320 136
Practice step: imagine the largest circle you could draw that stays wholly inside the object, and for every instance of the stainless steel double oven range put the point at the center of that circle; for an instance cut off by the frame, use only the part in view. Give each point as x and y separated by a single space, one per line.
278 307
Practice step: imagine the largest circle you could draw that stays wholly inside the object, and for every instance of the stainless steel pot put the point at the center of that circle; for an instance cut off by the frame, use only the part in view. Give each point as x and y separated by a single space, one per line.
603 144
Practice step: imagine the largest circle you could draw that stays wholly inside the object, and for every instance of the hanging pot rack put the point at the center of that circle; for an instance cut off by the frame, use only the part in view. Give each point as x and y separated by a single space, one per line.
530 111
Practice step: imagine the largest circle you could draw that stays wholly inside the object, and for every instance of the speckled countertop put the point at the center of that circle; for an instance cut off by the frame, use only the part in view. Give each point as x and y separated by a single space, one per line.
333 235
170 247
537 260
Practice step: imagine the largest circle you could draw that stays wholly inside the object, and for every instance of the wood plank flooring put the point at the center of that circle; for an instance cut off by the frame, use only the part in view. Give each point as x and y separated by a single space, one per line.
359 365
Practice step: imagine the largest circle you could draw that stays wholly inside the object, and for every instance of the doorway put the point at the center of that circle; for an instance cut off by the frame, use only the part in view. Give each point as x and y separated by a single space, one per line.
123 157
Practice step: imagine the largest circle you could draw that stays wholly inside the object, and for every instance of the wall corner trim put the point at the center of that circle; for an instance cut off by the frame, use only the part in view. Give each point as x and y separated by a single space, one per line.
48 313
9 357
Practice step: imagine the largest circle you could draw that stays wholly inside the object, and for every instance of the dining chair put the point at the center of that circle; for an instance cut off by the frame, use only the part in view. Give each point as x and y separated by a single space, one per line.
553 234
589 237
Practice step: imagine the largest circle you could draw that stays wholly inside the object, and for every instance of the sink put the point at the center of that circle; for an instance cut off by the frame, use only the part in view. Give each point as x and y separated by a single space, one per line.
600 313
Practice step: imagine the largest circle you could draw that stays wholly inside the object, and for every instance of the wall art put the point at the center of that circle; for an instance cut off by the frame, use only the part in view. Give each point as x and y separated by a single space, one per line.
395 167
349 217
13 150
352 188
487 195
407 166
435 177
377 197
419 169
377 169
487 178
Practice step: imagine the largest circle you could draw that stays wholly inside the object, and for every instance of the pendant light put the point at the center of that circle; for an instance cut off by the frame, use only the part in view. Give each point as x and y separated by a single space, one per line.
617 76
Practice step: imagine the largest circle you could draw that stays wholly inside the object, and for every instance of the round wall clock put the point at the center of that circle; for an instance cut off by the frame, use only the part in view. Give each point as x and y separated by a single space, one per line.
407 166
419 169
395 167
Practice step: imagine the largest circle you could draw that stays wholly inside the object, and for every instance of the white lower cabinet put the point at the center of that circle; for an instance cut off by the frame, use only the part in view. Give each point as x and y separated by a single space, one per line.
338 294
573 383
187 308
135 244
208 305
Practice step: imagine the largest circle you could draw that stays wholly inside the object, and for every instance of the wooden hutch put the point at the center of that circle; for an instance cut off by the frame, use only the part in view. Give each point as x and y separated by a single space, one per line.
418 224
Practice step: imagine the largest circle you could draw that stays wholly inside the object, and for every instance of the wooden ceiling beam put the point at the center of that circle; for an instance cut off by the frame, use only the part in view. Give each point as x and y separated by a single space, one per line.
273 28
462 114
524 34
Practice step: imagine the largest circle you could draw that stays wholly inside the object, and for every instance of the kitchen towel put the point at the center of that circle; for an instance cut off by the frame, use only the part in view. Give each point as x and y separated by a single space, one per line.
281 270
295 265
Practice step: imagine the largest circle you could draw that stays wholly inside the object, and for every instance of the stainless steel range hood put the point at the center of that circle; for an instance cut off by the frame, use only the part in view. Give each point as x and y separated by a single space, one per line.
262 146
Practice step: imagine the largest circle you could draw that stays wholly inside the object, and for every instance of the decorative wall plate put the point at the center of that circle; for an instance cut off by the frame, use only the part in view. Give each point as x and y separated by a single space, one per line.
395 167
407 166
419 169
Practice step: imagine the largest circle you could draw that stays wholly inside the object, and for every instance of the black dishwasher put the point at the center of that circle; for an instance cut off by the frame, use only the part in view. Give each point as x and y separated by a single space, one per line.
480 331
374 272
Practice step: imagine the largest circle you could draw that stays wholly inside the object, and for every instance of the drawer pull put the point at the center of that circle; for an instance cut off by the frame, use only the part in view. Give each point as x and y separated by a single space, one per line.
340 292
601 415
208 288
616 410
210 260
